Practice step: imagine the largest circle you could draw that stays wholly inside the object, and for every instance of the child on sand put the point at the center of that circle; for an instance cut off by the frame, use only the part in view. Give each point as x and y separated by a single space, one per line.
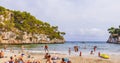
46 56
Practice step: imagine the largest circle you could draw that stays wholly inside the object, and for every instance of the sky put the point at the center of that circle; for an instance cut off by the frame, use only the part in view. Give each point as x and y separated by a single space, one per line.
82 20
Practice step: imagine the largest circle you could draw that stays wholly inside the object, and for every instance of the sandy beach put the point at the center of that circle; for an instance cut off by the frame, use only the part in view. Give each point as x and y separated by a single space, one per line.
60 31
74 59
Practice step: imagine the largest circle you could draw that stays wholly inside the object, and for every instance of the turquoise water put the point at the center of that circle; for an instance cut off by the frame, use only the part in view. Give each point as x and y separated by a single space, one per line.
102 47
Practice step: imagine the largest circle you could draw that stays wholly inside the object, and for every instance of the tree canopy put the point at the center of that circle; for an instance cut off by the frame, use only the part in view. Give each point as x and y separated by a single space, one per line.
25 22
113 30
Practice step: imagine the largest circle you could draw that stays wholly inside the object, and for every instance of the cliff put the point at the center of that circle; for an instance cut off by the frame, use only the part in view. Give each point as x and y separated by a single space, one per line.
114 35
18 27
113 39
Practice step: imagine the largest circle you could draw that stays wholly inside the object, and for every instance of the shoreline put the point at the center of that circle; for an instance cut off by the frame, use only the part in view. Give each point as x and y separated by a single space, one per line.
72 52
37 52
113 42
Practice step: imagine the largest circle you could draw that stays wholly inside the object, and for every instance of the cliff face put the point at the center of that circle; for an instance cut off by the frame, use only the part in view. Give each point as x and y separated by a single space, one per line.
114 38
20 27
114 35
11 38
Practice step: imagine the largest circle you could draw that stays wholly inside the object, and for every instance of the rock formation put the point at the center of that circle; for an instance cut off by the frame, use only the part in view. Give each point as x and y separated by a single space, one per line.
114 35
22 28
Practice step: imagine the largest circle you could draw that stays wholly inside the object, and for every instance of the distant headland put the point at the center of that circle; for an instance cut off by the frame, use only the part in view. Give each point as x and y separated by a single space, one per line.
18 27
114 35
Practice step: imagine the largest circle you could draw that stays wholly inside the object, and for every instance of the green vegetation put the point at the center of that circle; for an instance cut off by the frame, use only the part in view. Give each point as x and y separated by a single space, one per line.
113 30
2 9
25 22
114 35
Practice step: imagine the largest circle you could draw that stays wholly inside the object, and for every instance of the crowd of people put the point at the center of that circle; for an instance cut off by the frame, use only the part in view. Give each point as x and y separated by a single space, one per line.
76 49
20 58
47 56
51 59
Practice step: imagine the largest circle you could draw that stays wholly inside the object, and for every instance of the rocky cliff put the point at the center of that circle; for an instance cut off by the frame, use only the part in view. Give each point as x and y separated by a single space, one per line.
114 35
113 39
18 27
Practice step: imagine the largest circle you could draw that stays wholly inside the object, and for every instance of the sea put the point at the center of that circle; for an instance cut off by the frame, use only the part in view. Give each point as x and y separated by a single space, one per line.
84 46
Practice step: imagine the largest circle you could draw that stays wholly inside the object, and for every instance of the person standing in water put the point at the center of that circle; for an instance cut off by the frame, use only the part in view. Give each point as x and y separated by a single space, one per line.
5 47
22 48
69 51
76 48
95 48
46 48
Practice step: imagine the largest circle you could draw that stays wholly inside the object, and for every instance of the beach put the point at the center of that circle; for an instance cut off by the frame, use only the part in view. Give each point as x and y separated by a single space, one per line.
60 31
74 59
36 52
